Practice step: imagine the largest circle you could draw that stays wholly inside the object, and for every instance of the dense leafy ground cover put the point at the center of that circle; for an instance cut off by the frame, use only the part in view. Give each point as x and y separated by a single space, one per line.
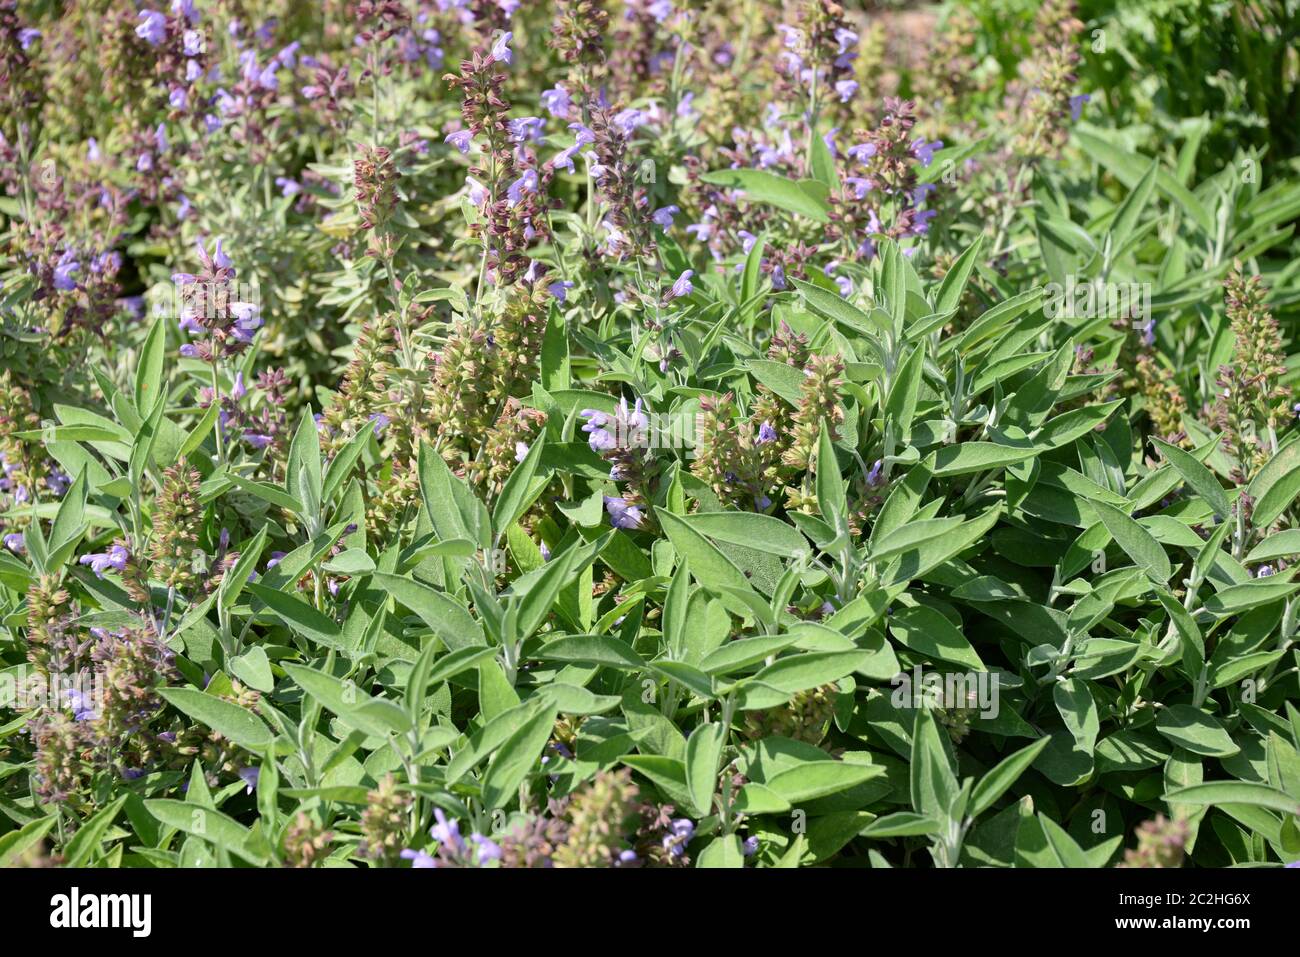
483 433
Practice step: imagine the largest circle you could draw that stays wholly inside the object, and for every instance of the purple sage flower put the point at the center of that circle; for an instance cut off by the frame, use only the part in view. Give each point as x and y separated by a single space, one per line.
100 562
679 835
461 139
152 28
488 849
501 49
527 129
621 514
447 832
682 287
250 777
924 151
63 271
557 102
526 183
663 216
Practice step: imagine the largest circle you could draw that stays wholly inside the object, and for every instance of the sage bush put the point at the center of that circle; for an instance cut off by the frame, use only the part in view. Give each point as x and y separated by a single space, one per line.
483 433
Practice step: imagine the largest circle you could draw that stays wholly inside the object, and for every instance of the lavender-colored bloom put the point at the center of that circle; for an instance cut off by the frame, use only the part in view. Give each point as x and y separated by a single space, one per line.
461 139
257 440
27 36
100 562
63 271
526 183
598 171
109 262
192 42
267 79
160 138
564 159
178 98
663 216
560 289
93 154
626 121
527 129
922 224
1076 105
791 37
501 49
488 849
192 71
861 186
682 287
925 151
144 163
829 139
288 187
873 476
152 28
447 832
381 422
418 858
862 151
247 321
1149 332
478 193
15 543
1264 571
225 103
627 857
766 434
846 89
82 707
584 134
288 57
749 847
679 835
622 515
58 482
685 109
249 776
546 552
601 440
557 102
274 559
